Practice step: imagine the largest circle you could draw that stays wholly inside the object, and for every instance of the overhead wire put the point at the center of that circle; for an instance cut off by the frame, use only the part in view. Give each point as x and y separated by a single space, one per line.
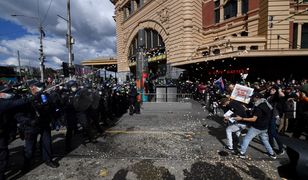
47 11
38 10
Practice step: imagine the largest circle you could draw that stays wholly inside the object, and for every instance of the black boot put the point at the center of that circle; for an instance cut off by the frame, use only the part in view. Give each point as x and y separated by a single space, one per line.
52 164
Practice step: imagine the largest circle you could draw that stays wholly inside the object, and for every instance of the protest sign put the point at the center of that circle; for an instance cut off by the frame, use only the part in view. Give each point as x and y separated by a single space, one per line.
241 93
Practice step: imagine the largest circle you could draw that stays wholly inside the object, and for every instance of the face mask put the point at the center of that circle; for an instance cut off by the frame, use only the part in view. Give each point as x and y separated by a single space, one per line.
74 89
6 96
38 89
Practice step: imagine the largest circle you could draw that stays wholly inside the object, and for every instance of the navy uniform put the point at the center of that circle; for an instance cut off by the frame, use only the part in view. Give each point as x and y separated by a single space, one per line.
6 104
37 121
70 113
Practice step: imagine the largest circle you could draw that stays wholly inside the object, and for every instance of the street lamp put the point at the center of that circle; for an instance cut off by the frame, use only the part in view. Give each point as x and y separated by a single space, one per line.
42 35
69 38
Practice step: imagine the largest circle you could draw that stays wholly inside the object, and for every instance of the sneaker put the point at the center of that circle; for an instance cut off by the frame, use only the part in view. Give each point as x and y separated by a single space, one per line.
279 153
52 164
229 148
242 155
273 156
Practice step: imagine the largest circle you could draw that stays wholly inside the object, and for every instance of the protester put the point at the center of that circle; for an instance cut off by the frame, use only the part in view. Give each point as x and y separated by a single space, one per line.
260 120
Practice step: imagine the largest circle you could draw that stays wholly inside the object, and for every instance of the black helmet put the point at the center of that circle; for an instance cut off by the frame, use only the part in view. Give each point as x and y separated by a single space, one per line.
71 83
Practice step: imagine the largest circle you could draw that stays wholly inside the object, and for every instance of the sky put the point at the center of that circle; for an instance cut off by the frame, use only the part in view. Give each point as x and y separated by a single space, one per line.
93 29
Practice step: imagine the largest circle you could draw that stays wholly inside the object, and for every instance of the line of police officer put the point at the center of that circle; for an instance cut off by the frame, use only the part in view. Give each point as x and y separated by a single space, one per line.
86 108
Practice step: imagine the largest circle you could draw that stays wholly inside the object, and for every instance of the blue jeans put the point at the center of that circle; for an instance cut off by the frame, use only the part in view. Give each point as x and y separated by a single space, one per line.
253 132
273 135
234 128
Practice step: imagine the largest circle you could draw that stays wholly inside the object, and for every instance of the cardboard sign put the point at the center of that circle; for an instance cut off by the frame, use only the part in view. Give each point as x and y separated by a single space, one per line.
242 93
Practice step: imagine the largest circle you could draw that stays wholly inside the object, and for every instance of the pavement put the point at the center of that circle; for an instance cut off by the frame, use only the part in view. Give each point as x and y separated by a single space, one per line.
166 141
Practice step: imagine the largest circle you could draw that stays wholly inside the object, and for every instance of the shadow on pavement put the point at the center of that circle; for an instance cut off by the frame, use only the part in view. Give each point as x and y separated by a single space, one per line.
145 169
58 146
204 170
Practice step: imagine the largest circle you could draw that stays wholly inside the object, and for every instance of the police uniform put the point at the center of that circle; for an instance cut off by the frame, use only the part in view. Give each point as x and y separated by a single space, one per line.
70 117
37 121
5 106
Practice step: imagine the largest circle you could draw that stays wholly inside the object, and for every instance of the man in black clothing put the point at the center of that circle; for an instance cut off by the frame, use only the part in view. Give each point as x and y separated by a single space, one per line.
37 121
260 119
6 104
134 106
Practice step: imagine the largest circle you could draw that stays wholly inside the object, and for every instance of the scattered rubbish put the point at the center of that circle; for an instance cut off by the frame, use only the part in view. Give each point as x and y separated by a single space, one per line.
103 172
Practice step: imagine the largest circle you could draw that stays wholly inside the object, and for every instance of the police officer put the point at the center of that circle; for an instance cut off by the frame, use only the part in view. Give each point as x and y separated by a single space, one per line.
133 101
7 103
70 113
37 121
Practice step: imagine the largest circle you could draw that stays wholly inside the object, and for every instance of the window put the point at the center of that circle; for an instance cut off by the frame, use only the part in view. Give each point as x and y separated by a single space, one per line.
132 8
245 6
149 39
244 33
241 48
254 48
295 32
217 11
155 39
161 42
138 3
305 36
230 9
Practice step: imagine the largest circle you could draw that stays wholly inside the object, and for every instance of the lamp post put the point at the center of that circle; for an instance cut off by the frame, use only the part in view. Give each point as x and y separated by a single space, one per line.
69 38
41 50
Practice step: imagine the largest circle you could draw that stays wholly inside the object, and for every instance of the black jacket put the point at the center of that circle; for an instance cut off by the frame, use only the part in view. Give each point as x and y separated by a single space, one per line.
264 116
6 107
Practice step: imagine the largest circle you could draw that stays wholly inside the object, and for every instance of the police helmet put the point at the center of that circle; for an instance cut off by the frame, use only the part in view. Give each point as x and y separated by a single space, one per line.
71 83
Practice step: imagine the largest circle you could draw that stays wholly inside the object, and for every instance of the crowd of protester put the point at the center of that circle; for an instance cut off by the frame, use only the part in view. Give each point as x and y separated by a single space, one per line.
286 104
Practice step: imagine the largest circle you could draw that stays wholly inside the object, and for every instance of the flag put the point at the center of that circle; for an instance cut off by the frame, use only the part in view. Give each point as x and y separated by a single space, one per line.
220 83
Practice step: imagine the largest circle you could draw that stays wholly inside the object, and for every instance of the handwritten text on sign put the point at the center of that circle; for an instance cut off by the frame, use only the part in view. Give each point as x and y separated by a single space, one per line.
242 93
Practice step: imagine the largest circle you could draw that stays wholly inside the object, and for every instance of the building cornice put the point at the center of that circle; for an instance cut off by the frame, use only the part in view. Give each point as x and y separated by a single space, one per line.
246 53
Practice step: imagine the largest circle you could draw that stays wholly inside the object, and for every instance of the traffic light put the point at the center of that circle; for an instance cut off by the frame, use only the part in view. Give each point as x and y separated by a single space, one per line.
65 69
71 70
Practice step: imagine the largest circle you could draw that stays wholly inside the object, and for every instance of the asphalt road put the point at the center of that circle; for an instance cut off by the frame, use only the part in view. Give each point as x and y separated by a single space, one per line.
166 141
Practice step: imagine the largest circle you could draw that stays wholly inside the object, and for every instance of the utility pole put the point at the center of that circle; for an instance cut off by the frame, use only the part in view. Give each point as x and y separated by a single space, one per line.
69 40
19 67
42 35
42 57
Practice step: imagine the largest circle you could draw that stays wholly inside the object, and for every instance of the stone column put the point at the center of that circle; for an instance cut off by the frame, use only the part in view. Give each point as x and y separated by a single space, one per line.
299 36
239 7
222 14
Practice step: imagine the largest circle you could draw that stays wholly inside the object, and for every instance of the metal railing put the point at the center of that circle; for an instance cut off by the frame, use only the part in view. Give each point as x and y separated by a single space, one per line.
166 97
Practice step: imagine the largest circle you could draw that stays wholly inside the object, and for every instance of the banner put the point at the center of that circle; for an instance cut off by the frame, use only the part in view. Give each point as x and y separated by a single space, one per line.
242 93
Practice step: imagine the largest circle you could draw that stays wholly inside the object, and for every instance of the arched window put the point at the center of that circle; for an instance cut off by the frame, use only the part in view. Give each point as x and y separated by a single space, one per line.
154 44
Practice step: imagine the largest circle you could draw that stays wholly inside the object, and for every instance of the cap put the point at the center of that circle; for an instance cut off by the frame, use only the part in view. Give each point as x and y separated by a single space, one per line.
257 95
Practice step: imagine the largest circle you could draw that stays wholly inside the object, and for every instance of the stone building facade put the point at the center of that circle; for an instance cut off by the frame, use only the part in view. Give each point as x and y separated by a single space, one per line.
198 31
